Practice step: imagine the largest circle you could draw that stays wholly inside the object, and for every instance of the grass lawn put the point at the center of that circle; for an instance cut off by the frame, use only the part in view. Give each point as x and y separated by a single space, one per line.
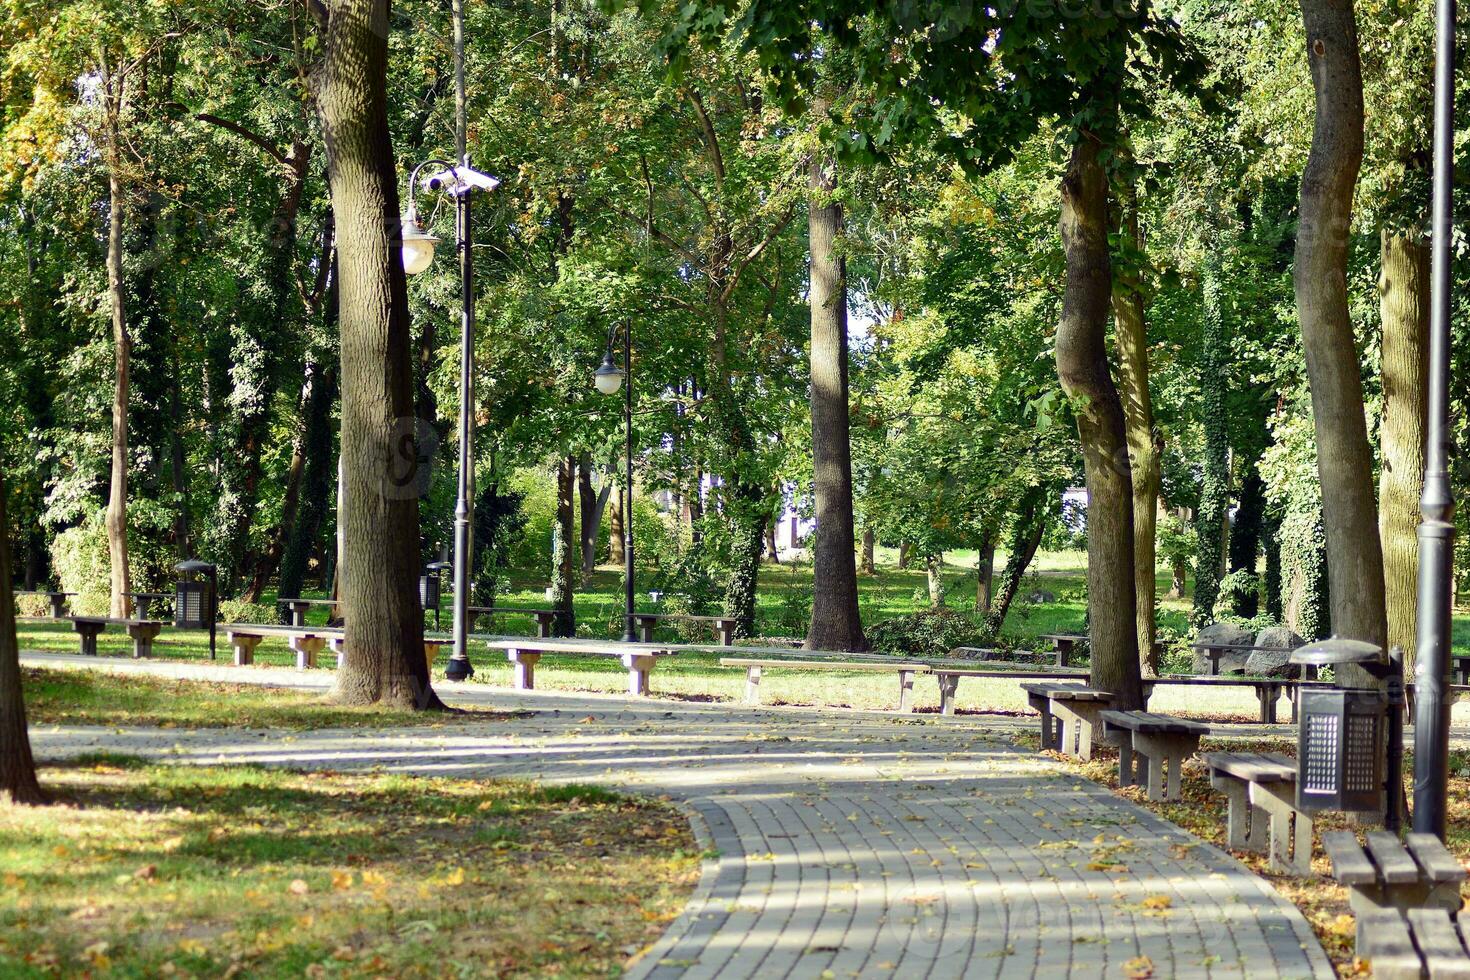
1202 812
152 870
78 697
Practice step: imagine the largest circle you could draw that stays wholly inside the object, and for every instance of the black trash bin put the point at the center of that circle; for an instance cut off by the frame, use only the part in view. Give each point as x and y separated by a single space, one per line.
196 597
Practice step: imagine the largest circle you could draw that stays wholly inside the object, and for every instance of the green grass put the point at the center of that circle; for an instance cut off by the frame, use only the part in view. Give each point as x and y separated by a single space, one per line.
152 870
78 697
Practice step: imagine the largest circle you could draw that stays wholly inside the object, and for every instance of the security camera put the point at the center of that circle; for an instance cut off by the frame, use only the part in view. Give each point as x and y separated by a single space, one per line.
461 180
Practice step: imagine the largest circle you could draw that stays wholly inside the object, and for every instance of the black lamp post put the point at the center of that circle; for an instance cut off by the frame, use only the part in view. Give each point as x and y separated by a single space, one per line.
1437 529
609 378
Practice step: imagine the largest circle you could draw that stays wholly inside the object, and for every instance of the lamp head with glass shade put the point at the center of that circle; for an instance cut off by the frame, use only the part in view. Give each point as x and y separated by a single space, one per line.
608 377
418 245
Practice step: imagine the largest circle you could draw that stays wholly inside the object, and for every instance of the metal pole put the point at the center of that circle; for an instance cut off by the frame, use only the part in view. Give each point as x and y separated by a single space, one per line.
630 632
1437 529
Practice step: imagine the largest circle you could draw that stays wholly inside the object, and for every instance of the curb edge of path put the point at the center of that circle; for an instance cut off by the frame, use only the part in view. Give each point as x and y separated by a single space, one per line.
648 959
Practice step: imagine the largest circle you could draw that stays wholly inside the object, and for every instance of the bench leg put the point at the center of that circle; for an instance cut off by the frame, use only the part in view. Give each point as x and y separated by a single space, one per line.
1245 825
753 684
543 627
947 688
306 648
525 668
1165 751
1048 730
639 665
645 630
89 641
58 606
905 691
727 634
243 648
1291 831
142 641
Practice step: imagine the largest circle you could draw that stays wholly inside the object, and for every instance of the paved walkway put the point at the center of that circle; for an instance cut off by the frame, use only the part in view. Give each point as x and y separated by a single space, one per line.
849 845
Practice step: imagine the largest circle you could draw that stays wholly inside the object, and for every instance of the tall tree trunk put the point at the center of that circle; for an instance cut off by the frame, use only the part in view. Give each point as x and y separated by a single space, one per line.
835 623
985 575
1025 539
1344 457
563 550
870 544
772 551
1245 536
301 533
593 504
1138 413
615 553
1211 520
17 767
383 661
1082 368
905 553
1403 287
117 497
934 577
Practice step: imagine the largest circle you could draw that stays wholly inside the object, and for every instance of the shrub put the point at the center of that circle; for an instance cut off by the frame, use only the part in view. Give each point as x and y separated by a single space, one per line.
82 564
240 611
932 631
32 605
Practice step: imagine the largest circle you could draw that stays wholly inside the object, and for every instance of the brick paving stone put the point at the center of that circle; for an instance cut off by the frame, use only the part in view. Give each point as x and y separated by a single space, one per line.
849 844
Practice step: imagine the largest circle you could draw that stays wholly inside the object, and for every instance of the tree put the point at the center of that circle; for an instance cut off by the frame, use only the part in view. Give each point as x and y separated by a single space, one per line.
17 767
835 623
383 661
1344 456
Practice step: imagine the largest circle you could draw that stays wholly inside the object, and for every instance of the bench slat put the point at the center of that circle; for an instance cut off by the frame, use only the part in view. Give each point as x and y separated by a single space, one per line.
1436 860
1149 723
1388 944
913 668
1392 860
1439 943
1266 767
1350 865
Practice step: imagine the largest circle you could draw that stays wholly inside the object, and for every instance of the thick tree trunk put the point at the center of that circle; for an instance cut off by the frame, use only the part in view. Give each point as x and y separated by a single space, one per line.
985 575
1211 520
563 548
615 539
378 516
934 578
1344 457
592 505
1082 368
835 623
1138 413
17 767
870 543
748 515
117 498
772 552
1403 288
905 553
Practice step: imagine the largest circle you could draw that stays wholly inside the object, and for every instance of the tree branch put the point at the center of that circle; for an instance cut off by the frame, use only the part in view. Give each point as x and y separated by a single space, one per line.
249 135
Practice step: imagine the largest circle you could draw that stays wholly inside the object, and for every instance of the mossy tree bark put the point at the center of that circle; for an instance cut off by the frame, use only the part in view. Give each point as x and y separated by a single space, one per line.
1344 456
1131 331
1211 519
564 549
383 662
1403 288
1082 368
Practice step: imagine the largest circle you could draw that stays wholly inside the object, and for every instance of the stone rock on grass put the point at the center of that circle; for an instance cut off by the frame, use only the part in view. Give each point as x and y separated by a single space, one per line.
1041 597
1272 662
1230 661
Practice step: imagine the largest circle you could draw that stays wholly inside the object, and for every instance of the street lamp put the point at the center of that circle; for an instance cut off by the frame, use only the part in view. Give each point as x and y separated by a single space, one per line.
459 181
609 378
1437 505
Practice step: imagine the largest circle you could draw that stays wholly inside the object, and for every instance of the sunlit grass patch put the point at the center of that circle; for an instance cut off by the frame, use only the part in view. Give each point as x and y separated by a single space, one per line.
149 870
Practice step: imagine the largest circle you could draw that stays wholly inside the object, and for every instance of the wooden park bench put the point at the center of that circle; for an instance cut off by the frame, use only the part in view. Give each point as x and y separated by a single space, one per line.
143 601
638 658
296 609
724 625
1422 942
1460 668
1146 743
142 631
949 679
1062 645
545 618
1389 875
57 600
1259 786
305 641
754 668
1268 689
1075 707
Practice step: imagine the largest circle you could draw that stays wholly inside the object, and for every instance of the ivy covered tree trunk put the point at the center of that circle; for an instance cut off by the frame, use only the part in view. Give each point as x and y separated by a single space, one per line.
378 516
1210 520
1271 575
1082 368
1025 539
835 622
564 549
1245 538
17 766
1132 338
1344 456
1403 289
748 515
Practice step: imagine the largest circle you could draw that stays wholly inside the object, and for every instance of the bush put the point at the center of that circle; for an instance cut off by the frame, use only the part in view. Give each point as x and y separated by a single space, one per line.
32 605
933 631
82 564
240 611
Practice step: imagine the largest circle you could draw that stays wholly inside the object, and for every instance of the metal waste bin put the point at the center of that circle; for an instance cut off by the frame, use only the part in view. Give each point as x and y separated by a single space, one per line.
196 603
